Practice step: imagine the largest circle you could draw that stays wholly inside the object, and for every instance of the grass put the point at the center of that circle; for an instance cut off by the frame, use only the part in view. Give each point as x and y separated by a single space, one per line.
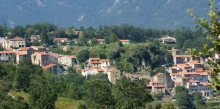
14 94
66 103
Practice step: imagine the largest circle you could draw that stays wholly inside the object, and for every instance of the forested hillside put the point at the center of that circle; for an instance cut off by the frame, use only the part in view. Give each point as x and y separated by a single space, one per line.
161 14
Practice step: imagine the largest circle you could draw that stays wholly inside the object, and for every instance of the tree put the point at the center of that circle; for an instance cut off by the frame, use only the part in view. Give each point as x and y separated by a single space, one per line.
167 105
1 31
211 26
153 105
43 91
130 94
18 31
113 38
198 100
98 93
83 55
169 59
182 97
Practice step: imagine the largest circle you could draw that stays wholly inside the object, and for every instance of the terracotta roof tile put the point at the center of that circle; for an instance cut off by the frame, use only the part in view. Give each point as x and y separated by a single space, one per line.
4 52
156 82
41 53
89 69
56 39
183 65
124 40
158 86
159 74
105 60
205 83
193 81
181 56
16 38
48 66
100 70
24 48
100 40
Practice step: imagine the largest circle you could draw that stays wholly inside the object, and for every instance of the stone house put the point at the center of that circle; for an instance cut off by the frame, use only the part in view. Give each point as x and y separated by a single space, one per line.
40 58
54 68
6 56
67 60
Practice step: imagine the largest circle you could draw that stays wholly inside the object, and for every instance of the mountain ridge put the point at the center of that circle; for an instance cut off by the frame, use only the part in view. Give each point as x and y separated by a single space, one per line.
160 14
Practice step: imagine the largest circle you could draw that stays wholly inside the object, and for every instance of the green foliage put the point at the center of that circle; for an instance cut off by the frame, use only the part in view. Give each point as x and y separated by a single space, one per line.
98 93
169 59
182 97
153 105
82 55
198 100
130 94
43 91
167 105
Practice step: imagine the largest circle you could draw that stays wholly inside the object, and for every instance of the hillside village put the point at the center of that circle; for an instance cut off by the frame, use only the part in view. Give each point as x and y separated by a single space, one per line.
187 71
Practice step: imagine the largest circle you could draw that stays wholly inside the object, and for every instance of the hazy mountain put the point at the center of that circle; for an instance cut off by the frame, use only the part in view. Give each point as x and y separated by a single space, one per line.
165 14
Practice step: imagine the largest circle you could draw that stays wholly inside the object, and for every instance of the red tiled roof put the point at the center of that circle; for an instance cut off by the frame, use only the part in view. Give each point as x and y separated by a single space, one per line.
148 86
35 35
20 53
41 53
183 65
136 76
4 52
71 56
203 74
178 82
156 82
38 46
128 75
16 38
194 81
190 73
9 49
100 70
24 48
167 37
124 40
100 40
199 69
181 55
104 60
205 83
89 69
159 74
158 86
173 50
48 66
184 77
95 62
194 62
111 70
94 58
60 39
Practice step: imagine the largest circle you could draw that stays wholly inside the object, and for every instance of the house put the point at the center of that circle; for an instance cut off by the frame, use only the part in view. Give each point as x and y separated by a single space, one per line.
60 40
104 62
181 59
156 87
167 39
6 56
28 50
40 58
54 68
90 71
6 43
113 75
17 42
54 58
67 60
20 55
101 41
174 51
125 41
35 38
39 49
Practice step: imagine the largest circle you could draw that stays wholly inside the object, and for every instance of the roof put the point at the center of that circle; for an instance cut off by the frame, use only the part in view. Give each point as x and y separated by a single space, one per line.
194 81
110 70
4 52
183 65
194 62
58 55
89 69
105 60
136 76
100 40
173 50
95 62
24 48
21 53
16 39
148 86
178 82
38 46
128 75
190 73
100 70
199 69
203 74
124 40
71 56
9 49
61 39
48 66
41 53
181 55
35 35
184 77
156 82
167 37
159 74
158 85
205 83
94 58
